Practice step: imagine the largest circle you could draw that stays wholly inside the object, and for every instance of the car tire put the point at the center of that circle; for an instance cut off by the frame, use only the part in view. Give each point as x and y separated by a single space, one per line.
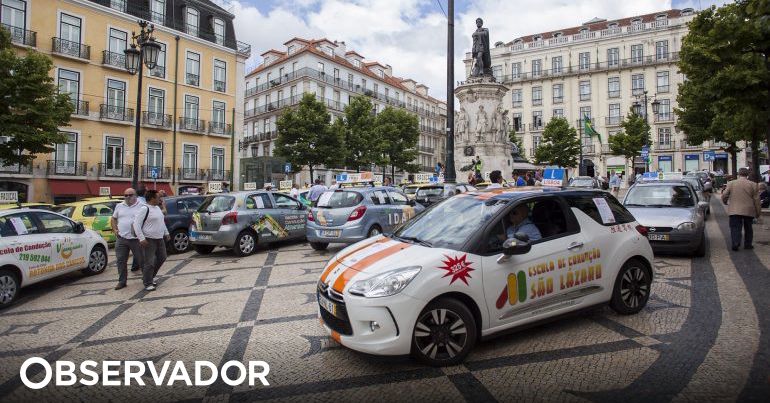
632 288
374 231
444 333
180 241
97 261
245 243
319 245
203 249
9 287
700 251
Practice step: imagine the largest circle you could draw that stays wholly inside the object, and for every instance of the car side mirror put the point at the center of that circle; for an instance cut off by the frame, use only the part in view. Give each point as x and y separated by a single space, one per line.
708 187
411 202
703 205
518 245
80 228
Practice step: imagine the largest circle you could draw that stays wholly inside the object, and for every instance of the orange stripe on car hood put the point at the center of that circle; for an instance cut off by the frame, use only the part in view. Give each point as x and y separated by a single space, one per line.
361 265
339 259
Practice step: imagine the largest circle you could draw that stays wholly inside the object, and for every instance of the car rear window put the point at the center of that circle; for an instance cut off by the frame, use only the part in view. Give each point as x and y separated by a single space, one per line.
339 199
587 205
217 204
64 210
430 191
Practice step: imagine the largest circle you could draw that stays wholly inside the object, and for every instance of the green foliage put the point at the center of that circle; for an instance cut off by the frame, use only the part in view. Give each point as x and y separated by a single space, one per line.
361 142
399 132
305 136
31 110
519 142
560 145
635 135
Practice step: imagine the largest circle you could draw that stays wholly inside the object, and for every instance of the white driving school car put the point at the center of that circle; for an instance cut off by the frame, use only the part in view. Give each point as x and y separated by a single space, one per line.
480 263
36 245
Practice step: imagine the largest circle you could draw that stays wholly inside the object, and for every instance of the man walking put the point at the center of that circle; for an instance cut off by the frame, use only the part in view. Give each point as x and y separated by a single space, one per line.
122 221
151 230
316 191
615 184
742 199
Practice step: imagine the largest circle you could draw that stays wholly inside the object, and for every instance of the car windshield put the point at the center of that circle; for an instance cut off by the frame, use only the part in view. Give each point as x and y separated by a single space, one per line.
661 195
582 182
339 199
217 204
430 192
451 223
64 210
410 190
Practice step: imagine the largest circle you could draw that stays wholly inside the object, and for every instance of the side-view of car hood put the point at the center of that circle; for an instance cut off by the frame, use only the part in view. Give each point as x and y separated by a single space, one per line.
662 216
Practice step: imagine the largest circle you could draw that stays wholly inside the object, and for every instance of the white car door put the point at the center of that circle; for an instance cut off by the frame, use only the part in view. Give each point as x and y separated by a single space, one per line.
30 245
69 250
521 288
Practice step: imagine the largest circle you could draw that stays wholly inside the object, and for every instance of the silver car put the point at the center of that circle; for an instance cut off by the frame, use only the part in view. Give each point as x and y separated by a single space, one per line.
352 214
241 220
672 214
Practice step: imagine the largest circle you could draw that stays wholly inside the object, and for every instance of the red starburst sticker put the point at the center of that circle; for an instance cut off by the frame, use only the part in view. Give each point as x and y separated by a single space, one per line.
458 268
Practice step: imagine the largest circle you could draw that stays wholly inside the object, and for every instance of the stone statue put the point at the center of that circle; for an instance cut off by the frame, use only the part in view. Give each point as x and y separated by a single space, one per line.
481 123
506 127
493 124
461 132
482 61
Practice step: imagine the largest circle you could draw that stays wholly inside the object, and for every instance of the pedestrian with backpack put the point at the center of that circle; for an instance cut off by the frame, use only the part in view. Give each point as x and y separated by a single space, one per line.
150 229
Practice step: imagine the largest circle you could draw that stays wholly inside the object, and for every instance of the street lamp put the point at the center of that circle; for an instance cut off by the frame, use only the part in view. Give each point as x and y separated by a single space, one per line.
143 52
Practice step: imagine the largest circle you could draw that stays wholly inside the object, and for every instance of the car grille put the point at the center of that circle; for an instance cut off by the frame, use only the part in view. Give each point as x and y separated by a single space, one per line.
658 230
340 324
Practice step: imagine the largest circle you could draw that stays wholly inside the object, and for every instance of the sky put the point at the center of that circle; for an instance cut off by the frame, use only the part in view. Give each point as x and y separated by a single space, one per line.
411 35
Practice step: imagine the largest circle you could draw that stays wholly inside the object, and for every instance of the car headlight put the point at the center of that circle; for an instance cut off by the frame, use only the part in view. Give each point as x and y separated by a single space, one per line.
686 226
385 284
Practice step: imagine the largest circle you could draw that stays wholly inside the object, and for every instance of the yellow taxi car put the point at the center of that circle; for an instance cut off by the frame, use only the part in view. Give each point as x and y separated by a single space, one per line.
411 190
14 206
94 213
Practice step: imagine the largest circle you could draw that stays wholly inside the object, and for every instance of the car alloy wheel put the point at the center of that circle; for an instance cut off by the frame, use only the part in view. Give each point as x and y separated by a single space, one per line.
8 287
634 287
97 261
246 244
440 334
374 231
181 242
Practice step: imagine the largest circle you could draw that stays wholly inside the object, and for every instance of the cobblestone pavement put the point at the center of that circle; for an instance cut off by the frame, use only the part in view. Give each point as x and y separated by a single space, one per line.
703 336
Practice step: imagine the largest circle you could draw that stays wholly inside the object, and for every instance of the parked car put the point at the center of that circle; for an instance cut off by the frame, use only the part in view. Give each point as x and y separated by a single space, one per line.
241 220
16 206
672 213
453 275
39 245
703 190
350 215
432 194
585 182
179 211
94 213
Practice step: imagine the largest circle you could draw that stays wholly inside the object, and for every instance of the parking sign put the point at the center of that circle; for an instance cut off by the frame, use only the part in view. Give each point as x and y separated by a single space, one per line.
154 172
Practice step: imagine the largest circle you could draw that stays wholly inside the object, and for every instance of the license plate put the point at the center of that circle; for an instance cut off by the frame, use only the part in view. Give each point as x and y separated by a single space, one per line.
332 233
327 304
657 237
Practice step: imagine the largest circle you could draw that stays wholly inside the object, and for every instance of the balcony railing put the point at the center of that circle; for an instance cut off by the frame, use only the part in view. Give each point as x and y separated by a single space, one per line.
68 168
425 149
114 59
220 128
117 113
516 104
664 146
192 79
160 120
81 108
585 97
74 49
159 71
558 100
115 171
192 174
162 173
613 120
613 94
534 127
589 149
21 36
684 145
192 125
220 86
537 101
19 169
219 175
606 149
119 5
663 88
532 151
664 117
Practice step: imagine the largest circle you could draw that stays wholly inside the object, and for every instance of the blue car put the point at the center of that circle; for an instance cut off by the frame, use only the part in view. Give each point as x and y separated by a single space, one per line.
352 214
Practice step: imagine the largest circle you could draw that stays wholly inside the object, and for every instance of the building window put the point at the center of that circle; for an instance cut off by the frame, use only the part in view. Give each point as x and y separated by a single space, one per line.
218 117
219 31
585 90
556 65
613 57
664 136
156 106
497 72
69 35
218 163
537 96
637 53
535 142
637 84
114 55
321 68
193 69
69 83
158 11
160 67
65 154
584 60
189 161
291 49
613 87
537 67
614 117
537 120
664 110
356 63
558 93
220 75
154 154
119 5
585 112
558 113
113 155
661 50
515 70
516 97
518 123
662 81
116 100
191 21
191 112
14 15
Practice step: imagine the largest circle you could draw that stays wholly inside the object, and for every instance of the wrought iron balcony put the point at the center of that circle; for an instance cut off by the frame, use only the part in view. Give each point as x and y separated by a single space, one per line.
192 125
159 120
114 59
684 145
117 113
535 127
161 173
69 48
68 168
18 169
159 71
115 171
220 128
81 108
425 149
558 100
219 175
589 149
664 117
192 79
613 94
664 146
21 36
192 174
613 120
220 86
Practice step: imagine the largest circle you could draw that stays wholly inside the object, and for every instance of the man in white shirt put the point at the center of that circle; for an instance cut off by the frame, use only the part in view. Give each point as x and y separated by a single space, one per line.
150 229
121 221
496 177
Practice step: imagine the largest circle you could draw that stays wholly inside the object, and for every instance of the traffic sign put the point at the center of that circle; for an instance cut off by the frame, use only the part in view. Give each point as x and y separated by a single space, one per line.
709 155
554 177
287 167
154 172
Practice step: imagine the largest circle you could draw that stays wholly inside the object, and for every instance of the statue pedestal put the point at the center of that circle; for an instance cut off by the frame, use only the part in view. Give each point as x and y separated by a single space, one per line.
482 127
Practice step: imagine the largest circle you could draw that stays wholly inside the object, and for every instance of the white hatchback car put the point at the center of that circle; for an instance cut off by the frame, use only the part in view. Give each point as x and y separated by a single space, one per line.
480 263
36 245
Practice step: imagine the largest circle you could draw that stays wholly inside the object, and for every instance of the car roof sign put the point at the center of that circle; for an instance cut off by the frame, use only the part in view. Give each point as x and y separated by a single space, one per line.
9 197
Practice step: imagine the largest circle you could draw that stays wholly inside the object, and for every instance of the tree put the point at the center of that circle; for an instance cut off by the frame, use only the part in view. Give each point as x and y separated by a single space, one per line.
399 132
518 142
560 145
305 136
363 147
634 136
31 109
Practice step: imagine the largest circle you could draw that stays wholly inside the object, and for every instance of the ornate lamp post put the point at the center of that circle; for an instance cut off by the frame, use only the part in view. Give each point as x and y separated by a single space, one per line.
143 52
638 110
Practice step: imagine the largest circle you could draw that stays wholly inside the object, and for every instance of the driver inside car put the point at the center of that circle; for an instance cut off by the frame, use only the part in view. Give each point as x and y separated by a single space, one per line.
520 222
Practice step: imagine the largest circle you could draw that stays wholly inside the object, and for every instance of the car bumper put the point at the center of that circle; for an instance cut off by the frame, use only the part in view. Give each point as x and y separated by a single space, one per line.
213 238
678 243
348 234
394 315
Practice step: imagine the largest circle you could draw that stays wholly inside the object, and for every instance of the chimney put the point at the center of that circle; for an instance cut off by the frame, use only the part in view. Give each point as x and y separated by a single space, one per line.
388 70
341 49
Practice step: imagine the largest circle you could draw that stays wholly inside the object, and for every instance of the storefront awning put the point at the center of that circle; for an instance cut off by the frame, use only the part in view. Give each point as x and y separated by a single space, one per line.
69 187
164 186
116 188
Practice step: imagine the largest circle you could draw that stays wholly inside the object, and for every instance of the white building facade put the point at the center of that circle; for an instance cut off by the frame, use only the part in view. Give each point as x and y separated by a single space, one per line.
600 70
335 75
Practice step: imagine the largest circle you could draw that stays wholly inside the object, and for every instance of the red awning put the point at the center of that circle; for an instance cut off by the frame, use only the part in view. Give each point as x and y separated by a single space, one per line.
116 188
69 187
164 186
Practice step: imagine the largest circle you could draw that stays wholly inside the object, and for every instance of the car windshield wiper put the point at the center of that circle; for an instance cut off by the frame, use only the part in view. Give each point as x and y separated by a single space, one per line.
416 240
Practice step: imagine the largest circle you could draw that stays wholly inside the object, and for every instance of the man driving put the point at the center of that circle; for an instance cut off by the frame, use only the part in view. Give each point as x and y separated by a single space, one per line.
520 222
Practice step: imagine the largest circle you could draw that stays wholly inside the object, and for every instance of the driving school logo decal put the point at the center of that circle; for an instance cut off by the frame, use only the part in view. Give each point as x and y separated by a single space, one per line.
458 268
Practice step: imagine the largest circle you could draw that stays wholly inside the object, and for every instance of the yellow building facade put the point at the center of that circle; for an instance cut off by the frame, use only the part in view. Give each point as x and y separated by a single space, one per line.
189 101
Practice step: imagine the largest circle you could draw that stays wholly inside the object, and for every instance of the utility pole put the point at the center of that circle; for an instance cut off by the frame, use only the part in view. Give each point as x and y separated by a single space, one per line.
449 175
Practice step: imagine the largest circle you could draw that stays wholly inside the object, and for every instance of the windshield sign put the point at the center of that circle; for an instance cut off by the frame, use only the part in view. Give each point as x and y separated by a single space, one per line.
660 196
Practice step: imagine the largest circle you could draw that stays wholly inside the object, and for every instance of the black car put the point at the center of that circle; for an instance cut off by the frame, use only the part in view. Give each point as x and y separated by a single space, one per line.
432 194
178 218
